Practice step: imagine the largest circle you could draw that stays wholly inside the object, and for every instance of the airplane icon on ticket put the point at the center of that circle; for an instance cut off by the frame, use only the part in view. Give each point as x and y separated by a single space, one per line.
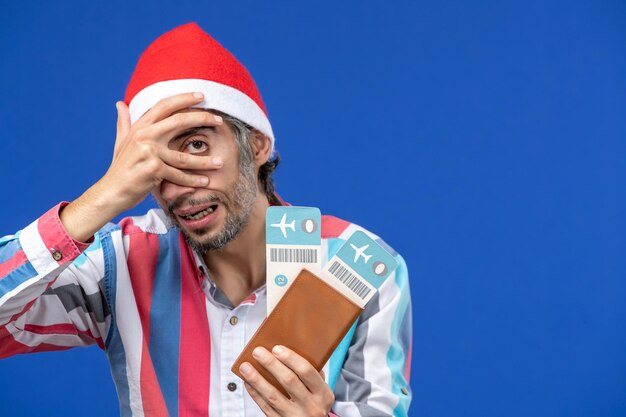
283 225
360 252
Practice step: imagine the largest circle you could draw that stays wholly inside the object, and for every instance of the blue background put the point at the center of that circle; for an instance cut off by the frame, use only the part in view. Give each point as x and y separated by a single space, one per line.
484 140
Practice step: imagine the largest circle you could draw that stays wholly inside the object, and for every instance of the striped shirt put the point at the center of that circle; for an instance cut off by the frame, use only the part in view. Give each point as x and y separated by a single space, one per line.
145 298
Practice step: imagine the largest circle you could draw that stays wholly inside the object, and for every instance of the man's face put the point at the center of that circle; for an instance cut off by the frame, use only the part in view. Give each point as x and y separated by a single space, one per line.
212 216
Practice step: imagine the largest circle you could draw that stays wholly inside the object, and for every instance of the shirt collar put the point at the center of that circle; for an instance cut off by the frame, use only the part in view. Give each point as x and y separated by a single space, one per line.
204 278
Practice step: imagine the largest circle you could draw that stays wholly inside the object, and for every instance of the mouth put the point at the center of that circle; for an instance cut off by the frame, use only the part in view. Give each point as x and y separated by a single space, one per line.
199 214
197 217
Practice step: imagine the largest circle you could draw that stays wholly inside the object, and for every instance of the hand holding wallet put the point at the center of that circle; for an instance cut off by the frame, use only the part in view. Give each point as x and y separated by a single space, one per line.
311 319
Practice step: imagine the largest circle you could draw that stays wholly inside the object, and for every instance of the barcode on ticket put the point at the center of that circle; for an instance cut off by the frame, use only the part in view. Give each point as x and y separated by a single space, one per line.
351 281
305 256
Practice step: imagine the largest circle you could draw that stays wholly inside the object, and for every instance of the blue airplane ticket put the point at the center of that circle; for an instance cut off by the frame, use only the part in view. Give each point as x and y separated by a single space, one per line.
359 268
293 241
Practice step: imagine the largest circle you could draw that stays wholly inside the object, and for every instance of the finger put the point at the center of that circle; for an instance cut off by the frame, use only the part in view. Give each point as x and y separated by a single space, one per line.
176 124
183 178
123 118
165 107
187 161
285 376
123 125
263 405
267 391
309 376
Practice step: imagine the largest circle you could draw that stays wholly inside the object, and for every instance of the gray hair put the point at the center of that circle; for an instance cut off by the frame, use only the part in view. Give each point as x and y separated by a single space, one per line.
244 133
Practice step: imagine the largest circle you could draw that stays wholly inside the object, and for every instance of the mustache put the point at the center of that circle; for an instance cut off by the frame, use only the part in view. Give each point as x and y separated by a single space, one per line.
185 201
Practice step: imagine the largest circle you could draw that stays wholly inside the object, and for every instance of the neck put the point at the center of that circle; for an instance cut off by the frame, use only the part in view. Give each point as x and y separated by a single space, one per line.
238 269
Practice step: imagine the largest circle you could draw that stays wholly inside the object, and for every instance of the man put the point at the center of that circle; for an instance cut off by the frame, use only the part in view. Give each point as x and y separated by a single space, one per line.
172 297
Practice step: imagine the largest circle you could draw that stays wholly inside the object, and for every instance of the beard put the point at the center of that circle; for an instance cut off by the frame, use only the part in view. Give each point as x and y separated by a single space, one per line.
237 203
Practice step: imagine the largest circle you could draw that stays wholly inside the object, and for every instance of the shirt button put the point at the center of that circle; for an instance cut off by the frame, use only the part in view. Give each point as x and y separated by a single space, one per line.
234 320
231 386
56 255
405 391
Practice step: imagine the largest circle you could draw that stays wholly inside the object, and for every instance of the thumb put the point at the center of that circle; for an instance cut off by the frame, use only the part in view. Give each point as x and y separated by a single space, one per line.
123 125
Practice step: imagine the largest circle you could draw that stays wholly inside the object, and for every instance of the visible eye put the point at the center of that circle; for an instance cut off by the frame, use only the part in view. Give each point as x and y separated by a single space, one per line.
196 146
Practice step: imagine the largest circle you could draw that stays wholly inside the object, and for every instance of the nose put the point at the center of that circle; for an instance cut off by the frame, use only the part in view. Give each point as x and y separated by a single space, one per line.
170 191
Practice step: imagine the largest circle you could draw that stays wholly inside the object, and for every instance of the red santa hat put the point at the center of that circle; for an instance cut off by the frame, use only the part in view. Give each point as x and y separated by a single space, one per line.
186 59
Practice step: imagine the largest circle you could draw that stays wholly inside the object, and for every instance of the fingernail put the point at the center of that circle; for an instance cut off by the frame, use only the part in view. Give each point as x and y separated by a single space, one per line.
198 95
218 119
278 350
218 160
258 352
204 180
245 368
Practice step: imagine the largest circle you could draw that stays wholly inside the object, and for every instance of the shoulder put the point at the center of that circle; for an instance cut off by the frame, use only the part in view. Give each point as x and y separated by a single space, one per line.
154 222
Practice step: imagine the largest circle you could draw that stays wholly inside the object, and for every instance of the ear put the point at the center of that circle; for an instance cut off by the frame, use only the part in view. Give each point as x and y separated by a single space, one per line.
261 148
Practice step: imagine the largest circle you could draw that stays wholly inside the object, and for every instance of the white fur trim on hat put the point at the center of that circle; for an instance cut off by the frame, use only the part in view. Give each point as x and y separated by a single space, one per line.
216 96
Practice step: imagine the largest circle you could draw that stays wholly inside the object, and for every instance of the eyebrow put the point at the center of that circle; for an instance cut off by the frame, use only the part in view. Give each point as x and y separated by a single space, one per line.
190 132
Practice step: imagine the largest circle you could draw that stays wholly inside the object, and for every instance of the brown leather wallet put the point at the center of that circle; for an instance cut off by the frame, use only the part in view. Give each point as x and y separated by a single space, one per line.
311 319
